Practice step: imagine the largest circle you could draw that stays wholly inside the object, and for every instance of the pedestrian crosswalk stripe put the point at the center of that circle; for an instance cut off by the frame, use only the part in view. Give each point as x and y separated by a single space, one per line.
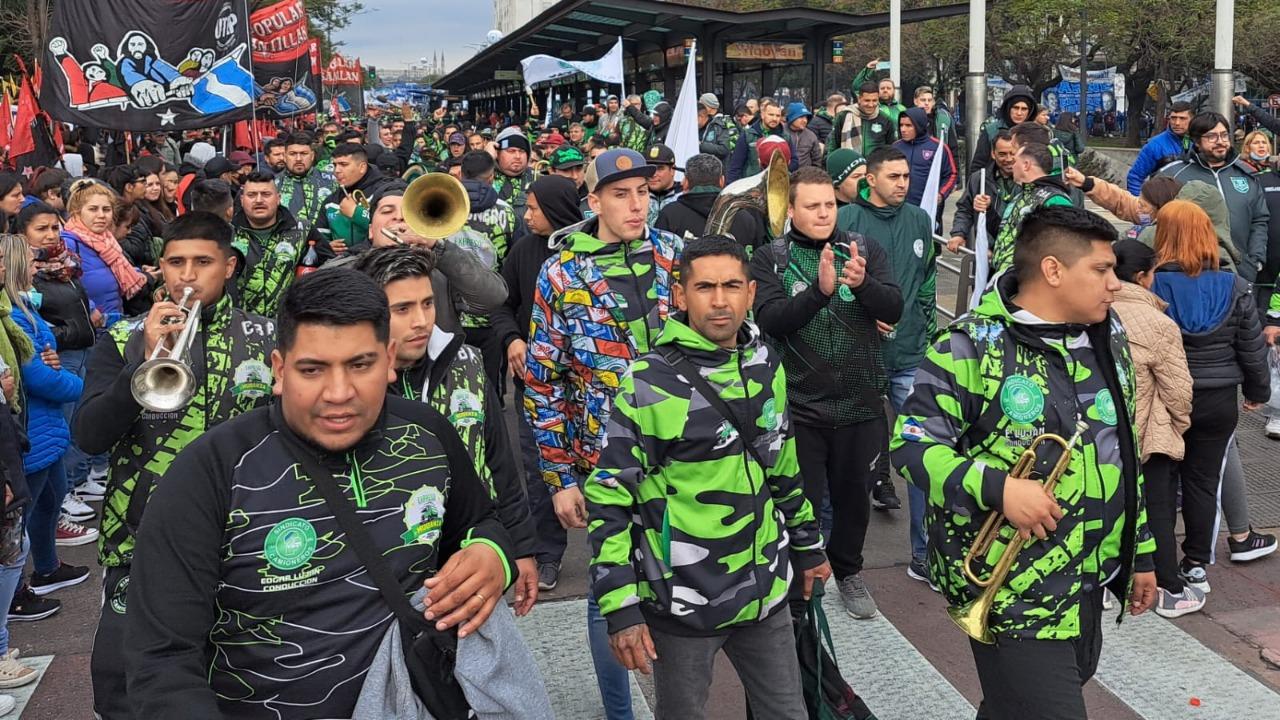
24 694
556 633
1156 668
890 675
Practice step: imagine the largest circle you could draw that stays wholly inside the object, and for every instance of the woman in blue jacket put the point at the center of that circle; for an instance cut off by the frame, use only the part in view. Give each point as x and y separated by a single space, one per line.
47 387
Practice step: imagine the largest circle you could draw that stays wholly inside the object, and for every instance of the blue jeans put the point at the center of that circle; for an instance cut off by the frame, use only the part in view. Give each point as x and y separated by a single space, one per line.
552 537
76 463
900 384
10 579
613 679
48 487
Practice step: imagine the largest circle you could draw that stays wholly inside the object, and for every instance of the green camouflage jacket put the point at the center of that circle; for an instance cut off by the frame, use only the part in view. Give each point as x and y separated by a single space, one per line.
270 258
304 196
993 382
686 527
1048 191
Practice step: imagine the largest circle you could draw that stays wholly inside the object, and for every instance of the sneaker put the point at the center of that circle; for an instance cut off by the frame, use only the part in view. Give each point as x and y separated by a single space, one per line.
29 607
64 577
72 533
1172 605
7 704
14 674
884 497
856 598
91 491
1273 427
1194 575
1251 548
917 570
75 508
98 473
548 575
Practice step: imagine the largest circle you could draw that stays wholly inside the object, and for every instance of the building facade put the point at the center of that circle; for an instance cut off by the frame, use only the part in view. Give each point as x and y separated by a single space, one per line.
508 15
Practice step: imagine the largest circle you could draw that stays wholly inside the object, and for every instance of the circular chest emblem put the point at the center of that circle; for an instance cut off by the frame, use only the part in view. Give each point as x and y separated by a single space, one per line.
798 287
1105 405
769 415
286 250
290 544
1021 399
919 247
846 293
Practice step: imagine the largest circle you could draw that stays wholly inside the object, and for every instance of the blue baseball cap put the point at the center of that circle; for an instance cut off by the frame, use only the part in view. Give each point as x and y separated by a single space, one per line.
617 164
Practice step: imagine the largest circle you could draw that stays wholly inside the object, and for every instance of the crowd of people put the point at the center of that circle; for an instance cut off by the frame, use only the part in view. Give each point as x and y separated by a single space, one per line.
719 411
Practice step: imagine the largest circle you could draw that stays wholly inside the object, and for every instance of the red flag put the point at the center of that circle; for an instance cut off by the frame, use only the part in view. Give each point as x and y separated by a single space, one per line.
243 137
23 140
6 121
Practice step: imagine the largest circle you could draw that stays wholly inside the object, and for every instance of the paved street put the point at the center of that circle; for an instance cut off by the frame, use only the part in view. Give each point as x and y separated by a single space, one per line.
909 663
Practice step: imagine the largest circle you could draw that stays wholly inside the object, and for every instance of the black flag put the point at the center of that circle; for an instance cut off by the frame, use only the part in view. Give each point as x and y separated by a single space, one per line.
147 65
288 83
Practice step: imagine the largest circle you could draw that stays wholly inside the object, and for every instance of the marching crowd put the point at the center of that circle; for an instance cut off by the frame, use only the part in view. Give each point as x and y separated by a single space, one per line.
718 404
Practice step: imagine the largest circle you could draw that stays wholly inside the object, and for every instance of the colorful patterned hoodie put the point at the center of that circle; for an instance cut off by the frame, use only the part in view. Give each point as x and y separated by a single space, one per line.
596 307
994 381
687 530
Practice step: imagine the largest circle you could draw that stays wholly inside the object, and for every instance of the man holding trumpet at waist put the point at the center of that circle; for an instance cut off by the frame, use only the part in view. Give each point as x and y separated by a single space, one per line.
1041 358
229 374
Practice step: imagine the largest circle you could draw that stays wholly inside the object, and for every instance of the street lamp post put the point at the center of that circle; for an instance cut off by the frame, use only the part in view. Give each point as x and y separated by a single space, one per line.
1223 50
975 83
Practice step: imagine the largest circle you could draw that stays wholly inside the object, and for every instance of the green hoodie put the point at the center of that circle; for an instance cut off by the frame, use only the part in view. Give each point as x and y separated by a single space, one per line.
687 529
906 234
993 382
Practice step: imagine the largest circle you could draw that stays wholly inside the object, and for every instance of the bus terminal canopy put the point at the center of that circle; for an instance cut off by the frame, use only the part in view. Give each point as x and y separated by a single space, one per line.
781 52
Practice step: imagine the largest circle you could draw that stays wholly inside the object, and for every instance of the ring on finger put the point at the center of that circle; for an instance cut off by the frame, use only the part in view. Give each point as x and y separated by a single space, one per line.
481 596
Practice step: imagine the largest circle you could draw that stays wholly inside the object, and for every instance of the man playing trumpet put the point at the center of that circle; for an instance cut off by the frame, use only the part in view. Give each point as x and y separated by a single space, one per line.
229 359
1041 354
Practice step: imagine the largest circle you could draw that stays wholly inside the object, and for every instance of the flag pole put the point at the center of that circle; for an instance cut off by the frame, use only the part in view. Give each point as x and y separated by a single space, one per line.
253 105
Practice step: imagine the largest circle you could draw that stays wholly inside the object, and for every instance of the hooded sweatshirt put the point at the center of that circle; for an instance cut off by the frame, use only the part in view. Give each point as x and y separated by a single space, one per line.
688 216
1247 207
920 152
487 234
1001 121
1205 197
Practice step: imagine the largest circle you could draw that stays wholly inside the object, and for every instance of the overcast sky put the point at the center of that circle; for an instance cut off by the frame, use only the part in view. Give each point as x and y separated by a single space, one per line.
399 32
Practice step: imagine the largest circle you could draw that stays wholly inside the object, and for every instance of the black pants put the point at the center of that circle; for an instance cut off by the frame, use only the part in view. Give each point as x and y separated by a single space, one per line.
1042 679
1213 421
486 340
1160 475
106 665
841 461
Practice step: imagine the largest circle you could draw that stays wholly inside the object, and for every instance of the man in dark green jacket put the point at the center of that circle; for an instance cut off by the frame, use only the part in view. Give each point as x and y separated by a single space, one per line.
1042 354
675 583
865 126
906 233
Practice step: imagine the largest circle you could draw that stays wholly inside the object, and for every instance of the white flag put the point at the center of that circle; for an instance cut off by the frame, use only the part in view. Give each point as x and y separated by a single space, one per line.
981 252
541 68
929 201
682 137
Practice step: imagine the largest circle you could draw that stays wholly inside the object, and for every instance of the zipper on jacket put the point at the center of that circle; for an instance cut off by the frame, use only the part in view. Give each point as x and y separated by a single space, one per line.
357 482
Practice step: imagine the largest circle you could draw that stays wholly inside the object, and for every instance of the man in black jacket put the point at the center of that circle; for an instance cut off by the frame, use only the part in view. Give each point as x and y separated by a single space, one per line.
228 359
249 599
824 322
270 244
1000 190
687 215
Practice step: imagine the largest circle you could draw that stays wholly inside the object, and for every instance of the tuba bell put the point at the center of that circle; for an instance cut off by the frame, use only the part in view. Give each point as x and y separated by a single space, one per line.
436 205
766 191
165 382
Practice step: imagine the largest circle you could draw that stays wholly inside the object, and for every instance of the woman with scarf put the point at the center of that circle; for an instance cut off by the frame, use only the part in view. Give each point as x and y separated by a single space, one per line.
11 197
553 206
47 386
108 276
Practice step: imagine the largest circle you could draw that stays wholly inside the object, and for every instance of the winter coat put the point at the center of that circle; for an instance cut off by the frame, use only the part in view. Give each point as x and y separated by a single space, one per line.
981 157
688 216
1159 151
65 307
1046 191
487 234
1002 190
304 196
805 147
718 138
920 152
991 384
670 474
332 225
1221 332
99 284
1270 182
851 130
270 259
46 391
821 124
1246 205
906 234
1160 367
746 161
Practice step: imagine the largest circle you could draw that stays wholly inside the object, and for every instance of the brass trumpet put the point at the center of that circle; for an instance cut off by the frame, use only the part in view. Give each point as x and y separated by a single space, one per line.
435 206
166 382
974 616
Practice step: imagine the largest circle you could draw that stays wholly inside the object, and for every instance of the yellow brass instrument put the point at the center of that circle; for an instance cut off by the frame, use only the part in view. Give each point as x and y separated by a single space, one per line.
973 616
360 198
435 206
766 192
165 382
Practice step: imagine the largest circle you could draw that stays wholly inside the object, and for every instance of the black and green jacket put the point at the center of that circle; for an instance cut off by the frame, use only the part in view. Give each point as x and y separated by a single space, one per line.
271 256
688 531
230 358
906 234
305 195
995 380
451 375
488 234
514 190
831 348
246 598
1047 191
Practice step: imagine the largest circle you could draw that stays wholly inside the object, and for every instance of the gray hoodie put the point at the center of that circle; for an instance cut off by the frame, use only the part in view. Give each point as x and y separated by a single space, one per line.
1207 198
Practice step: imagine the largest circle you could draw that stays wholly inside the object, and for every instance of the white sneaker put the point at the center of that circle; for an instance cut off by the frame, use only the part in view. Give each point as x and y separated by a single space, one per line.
14 674
1273 427
7 704
91 491
76 509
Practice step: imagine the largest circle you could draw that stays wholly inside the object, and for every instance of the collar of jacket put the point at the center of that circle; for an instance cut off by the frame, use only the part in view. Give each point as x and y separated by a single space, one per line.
998 305
863 200
584 240
677 332
285 221
1133 293
794 235
334 460
1050 181
217 316
430 369
1232 158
